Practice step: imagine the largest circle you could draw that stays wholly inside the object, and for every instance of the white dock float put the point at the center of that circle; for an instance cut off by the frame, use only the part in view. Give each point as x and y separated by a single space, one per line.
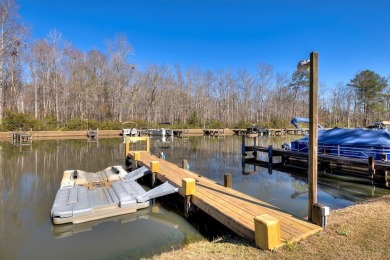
87 196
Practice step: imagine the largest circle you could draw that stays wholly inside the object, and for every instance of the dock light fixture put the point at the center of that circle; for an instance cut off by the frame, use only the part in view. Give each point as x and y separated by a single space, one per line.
304 66
311 67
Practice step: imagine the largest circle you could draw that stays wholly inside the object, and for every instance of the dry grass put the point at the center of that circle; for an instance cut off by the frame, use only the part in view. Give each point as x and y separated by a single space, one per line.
361 231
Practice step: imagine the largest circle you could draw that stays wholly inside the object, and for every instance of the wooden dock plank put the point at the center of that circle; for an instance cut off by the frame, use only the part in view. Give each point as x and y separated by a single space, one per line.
231 194
231 207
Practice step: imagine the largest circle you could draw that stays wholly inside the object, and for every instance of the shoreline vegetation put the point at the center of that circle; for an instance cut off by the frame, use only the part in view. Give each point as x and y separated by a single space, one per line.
102 133
360 231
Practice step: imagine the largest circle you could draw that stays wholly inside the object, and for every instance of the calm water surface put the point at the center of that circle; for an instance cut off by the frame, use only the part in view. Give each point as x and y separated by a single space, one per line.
30 177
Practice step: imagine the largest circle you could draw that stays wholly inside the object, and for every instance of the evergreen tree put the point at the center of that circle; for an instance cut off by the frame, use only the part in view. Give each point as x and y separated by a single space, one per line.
369 88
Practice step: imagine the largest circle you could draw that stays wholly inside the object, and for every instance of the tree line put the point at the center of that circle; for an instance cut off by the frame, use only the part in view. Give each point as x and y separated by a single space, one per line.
54 83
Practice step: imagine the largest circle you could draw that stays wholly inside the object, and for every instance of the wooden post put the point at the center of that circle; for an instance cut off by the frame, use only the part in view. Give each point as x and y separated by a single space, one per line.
313 133
255 143
154 168
371 167
227 180
243 144
384 159
137 157
132 160
243 165
127 146
188 189
320 214
267 232
184 164
270 154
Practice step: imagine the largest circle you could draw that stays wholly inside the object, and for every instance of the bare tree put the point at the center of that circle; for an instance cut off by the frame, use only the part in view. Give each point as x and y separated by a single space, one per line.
120 50
264 74
11 36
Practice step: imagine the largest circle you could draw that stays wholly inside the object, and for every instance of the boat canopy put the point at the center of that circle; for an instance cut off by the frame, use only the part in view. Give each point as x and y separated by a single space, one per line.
297 120
352 137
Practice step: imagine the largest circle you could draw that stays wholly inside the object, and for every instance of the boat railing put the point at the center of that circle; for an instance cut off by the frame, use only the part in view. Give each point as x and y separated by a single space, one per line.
347 151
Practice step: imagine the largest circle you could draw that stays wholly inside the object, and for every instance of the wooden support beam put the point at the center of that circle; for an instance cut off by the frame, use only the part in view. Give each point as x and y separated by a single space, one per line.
227 180
243 145
188 189
371 167
154 168
188 186
184 163
267 232
320 214
137 156
270 154
313 133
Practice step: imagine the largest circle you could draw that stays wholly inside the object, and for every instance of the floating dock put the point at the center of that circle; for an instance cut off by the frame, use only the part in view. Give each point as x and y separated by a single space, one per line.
86 196
246 216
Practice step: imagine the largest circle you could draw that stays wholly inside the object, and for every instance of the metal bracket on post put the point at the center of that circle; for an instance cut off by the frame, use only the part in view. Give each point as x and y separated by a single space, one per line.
320 215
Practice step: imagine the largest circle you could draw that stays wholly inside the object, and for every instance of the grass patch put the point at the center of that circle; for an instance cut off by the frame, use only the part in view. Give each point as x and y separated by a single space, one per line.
365 225
291 246
342 233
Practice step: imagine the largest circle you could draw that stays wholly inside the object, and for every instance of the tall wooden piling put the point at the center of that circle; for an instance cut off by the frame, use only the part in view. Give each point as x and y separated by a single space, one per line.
313 133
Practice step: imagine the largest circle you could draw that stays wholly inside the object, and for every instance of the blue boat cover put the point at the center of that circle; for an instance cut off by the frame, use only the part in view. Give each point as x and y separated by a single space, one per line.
352 137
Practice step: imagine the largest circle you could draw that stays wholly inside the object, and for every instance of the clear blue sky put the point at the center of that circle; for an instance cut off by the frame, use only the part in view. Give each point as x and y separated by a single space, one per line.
350 35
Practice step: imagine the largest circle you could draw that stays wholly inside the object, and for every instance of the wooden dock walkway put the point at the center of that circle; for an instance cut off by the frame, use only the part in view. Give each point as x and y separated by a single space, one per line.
230 207
368 168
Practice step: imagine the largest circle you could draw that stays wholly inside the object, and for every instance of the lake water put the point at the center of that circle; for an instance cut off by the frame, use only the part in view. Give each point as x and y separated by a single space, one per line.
30 177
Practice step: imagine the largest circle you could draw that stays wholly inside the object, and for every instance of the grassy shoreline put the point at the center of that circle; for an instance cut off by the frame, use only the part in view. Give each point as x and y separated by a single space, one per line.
361 231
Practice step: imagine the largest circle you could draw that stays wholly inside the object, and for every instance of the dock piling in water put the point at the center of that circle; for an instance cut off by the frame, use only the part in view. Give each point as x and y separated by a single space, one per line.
227 180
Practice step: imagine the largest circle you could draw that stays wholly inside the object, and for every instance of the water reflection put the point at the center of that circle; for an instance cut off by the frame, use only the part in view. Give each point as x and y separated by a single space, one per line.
213 157
28 184
30 179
